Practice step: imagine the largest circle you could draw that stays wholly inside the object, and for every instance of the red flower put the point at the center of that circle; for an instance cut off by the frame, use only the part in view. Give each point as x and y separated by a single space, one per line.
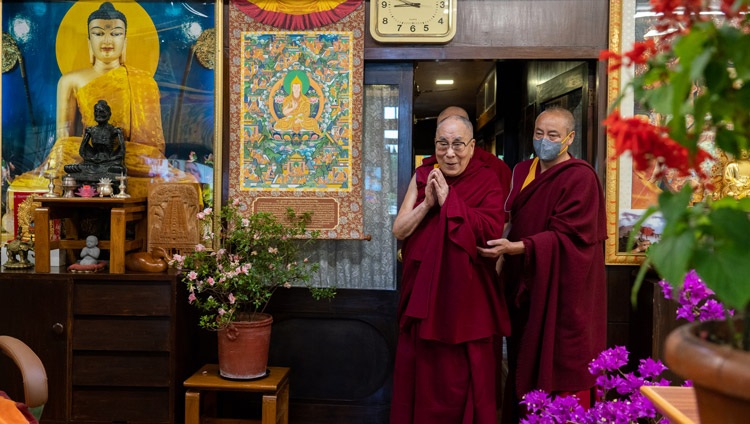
727 7
616 59
648 143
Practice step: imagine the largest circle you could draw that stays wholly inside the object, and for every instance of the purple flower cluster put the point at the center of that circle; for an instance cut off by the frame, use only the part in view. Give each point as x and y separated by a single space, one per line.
695 301
621 400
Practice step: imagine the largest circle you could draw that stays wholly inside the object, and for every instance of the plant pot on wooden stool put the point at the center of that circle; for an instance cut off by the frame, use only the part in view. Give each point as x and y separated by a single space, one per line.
719 372
243 348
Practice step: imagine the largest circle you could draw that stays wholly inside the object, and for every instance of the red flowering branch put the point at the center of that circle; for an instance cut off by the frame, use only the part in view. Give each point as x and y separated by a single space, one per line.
650 143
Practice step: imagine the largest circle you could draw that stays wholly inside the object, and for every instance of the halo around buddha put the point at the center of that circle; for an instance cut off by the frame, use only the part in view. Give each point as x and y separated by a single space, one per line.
71 46
298 75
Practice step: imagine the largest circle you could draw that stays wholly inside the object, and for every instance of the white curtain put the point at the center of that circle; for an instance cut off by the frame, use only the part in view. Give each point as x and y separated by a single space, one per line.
362 264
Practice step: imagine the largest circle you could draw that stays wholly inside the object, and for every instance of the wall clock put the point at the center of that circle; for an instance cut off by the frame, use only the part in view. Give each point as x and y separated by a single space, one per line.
413 21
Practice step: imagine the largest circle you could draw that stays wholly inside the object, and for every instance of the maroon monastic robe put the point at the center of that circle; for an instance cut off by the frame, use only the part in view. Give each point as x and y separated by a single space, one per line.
557 289
451 305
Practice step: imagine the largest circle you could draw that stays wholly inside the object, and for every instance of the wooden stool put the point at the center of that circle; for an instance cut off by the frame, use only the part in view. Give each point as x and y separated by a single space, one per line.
275 390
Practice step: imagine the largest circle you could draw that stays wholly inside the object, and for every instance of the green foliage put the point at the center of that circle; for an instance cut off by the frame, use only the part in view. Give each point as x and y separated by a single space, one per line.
237 270
695 82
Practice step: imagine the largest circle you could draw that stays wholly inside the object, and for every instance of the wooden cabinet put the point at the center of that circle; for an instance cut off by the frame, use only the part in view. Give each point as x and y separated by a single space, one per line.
111 344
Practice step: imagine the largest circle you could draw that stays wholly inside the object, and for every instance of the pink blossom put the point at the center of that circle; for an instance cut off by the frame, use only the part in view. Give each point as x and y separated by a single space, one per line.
235 202
245 222
192 297
200 215
222 311
208 211
231 298
192 275
200 248
210 281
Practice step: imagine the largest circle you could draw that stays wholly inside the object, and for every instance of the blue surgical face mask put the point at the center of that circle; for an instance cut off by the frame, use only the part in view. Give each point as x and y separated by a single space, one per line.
548 150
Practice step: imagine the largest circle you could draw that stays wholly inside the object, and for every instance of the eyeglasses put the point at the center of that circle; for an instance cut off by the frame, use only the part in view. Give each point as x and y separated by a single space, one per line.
457 146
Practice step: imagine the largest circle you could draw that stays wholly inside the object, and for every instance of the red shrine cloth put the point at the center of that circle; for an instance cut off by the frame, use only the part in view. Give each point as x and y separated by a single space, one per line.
557 289
451 305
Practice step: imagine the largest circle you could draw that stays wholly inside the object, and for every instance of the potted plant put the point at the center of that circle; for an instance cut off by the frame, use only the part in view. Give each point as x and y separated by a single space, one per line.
232 275
619 390
693 79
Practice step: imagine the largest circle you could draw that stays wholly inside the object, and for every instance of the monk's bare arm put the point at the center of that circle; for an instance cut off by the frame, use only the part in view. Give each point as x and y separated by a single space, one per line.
409 217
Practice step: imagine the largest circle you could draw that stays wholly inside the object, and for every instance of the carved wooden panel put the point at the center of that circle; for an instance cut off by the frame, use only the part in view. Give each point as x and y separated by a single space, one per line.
172 222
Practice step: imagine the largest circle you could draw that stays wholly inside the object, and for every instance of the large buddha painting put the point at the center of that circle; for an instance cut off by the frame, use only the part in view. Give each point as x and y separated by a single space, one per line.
296 117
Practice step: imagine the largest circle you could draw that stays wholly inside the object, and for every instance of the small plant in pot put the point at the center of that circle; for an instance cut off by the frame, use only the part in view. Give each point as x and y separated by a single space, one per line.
695 80
232 275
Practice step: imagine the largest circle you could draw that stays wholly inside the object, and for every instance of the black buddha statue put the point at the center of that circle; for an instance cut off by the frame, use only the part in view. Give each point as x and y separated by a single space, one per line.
102 149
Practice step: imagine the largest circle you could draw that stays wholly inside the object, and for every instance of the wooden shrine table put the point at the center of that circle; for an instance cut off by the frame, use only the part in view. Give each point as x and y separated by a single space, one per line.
120 212
274 388
675 403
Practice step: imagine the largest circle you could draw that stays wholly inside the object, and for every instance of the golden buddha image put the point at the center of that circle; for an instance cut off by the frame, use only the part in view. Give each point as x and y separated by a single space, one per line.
99 34
296 107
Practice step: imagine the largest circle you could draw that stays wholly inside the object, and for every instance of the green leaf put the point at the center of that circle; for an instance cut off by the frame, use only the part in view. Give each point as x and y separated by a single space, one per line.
671 256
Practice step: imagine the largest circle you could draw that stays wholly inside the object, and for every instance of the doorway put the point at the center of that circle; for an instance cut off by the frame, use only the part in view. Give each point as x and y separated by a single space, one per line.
502 98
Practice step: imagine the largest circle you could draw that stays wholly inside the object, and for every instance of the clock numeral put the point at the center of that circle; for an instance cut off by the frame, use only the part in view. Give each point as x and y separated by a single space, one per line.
413 28
442 5
440 21
383 4
385 21
398 27
426 28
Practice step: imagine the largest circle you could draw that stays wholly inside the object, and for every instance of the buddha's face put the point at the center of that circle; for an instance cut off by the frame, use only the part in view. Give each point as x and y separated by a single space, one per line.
107 39
296 89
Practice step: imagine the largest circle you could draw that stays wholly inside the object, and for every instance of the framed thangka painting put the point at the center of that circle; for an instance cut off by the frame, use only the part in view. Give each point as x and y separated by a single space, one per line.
152 62
295 129
631 192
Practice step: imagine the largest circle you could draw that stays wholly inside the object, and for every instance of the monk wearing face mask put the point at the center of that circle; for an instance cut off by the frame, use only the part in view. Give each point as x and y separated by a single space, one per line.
553 269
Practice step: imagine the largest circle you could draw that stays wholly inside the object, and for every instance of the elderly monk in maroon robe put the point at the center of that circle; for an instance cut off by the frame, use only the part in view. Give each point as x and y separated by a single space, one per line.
554 268
497 165
451 306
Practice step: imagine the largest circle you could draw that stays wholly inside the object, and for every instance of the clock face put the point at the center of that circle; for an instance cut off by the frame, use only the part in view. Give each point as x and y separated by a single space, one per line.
430 21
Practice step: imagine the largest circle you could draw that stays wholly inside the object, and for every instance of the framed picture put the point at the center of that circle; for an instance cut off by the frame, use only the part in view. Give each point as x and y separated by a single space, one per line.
628 195
295 120
152 62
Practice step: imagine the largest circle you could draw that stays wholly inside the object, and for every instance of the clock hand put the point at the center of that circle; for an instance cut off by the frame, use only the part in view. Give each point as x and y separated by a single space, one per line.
408 4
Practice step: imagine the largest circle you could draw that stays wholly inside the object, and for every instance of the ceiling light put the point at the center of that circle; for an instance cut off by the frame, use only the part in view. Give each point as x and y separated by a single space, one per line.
444 82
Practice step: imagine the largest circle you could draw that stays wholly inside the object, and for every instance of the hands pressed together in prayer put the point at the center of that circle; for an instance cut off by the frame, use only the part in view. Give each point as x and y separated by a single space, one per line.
437 188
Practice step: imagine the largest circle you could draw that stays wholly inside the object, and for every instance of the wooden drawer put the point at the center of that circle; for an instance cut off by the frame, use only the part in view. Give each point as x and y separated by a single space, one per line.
93 369
121 334
151 406
142 298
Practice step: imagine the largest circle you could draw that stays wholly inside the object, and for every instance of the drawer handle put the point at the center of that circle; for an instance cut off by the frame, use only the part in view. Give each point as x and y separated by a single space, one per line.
57 328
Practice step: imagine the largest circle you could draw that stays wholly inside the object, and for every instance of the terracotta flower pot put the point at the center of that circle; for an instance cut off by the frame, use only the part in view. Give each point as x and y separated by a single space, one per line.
243 348
720 374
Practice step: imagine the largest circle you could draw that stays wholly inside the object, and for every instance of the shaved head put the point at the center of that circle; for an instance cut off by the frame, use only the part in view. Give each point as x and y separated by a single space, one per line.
452 111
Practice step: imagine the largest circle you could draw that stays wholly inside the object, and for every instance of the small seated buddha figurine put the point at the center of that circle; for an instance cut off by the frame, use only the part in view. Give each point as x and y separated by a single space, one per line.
736 181
90 253
102 149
